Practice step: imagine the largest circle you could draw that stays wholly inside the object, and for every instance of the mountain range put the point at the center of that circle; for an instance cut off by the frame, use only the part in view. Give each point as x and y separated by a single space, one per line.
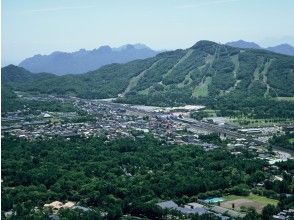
207 72
82 61
286 49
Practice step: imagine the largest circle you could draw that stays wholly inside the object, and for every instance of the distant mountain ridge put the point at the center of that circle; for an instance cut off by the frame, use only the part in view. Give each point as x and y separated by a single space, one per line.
82 61
286 49
243 44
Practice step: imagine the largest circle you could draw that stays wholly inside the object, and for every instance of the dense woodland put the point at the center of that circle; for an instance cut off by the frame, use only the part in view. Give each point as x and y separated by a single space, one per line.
283 141
10 102
124 176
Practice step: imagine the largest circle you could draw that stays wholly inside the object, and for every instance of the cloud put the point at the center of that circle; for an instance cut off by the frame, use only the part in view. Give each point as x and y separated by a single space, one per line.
70 8
212 2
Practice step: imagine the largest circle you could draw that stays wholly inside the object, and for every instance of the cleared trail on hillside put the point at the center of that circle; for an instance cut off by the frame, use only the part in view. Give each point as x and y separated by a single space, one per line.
134 81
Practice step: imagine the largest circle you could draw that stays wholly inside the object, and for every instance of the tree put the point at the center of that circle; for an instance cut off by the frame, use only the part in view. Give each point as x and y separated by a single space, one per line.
251 214
268 211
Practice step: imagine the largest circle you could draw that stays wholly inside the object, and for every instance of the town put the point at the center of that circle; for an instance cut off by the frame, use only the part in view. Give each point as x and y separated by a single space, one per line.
115 120
174 125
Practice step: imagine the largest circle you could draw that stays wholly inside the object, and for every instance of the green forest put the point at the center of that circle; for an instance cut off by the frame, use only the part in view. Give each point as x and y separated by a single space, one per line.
283 141
126 176
10 102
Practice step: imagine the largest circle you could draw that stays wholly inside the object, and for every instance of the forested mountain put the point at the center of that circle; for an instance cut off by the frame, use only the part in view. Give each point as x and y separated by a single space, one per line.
206 72
15 74
285 49
83 60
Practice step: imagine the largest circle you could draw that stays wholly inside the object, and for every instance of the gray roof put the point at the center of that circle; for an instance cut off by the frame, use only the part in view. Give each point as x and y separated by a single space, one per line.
199 211
172 205
53 217
85 209
167 204
279 217
230 212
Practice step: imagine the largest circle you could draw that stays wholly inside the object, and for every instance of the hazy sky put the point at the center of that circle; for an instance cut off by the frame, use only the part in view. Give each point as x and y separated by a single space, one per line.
42 26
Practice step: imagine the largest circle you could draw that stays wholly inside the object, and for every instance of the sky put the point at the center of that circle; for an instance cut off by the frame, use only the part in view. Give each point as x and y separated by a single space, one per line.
33 27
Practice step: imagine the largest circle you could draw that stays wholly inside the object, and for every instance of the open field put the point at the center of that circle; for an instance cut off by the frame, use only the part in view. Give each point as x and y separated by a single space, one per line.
210 112
202 89
250 122
285 99
255 201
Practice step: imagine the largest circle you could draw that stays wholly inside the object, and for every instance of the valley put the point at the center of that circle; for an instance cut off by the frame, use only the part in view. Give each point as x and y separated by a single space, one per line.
147 110
218 121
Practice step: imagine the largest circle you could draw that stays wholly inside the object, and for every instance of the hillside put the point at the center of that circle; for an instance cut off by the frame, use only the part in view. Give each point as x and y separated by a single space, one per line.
82 61
207 72
15 74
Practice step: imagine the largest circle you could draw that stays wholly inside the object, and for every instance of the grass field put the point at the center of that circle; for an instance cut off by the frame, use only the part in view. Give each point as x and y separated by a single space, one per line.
285 99
253 197
210 112
249 122
255 201
202 89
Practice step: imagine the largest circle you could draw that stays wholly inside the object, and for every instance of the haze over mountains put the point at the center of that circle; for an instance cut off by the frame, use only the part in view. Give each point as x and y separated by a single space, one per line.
82 61
286 49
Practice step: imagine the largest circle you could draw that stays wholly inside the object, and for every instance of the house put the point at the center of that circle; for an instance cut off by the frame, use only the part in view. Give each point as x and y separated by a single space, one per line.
53 217
46 115
278 178
168 205
85 209
285 214
56 205
192 209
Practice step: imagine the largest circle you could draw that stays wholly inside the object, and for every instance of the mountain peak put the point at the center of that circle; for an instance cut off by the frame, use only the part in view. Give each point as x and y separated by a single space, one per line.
286 49
204 43
12 67
137 46
104 49
243 44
